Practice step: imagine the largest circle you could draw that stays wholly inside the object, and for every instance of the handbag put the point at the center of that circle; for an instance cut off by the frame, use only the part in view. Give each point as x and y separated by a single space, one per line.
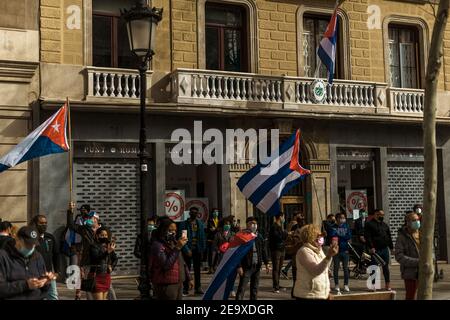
88 284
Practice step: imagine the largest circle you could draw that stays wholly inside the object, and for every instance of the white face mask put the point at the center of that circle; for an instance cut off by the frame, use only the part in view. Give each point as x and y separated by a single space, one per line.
419 210
254 228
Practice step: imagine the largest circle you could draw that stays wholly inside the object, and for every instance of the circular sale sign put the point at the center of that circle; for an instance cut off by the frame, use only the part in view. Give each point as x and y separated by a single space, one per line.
356 201
202 208
174 205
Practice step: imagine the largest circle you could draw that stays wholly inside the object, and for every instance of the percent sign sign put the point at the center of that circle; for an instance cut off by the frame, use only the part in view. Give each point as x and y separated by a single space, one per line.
174 205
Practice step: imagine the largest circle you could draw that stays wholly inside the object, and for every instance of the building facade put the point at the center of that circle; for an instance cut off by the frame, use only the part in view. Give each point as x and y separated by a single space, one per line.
239 64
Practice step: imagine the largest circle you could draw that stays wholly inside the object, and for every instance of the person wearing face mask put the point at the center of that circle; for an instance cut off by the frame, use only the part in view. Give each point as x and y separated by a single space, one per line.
360 223
222 240
103 260
379 241
211 232
196 245
49 251
166 266
250 266
407 253
23 275
342 234
312 265
418 209
277 237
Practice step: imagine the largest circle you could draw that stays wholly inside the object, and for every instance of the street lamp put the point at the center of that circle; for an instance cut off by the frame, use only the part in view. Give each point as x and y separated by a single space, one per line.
141 22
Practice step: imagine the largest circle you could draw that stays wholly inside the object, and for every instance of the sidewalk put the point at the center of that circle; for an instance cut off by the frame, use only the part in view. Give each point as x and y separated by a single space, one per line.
126 288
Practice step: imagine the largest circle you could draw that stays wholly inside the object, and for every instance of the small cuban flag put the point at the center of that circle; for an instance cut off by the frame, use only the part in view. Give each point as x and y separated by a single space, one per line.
264 190
50 137
327 47
223 280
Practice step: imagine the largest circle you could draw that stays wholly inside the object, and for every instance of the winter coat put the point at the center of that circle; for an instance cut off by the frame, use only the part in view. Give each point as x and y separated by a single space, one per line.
48 249
100 259
247 261
15 270
407 254
312 273
378 235
277 236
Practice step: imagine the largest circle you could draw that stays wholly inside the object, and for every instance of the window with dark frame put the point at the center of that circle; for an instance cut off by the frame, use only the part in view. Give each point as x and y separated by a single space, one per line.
110 43
404 66
226 37
314 27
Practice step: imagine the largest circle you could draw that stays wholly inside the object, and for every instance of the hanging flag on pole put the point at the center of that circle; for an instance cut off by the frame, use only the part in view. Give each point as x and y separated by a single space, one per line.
264 190
223 280
50 137
327 48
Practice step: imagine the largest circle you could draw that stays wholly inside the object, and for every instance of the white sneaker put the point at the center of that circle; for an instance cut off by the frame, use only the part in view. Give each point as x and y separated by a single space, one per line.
233 294
336 289
346 289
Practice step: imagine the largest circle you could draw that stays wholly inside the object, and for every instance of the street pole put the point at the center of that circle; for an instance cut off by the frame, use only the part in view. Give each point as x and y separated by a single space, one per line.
144 180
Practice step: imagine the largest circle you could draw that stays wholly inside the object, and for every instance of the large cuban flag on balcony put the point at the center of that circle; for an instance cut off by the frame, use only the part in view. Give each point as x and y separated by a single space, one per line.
223 279
264 190
50 137
327 47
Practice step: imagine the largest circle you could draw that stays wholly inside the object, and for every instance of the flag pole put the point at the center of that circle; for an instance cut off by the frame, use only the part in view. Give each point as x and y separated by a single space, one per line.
70 150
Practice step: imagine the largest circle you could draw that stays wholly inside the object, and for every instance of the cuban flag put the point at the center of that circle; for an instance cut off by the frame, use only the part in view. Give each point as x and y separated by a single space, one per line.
223 279
265 190
50 137
327 47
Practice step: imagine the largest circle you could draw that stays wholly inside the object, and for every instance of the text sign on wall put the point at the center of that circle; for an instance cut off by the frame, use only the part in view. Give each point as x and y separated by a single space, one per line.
174 204
355 200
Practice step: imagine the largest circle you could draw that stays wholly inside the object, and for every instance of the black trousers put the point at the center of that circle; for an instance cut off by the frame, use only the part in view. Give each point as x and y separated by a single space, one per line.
196 259
251 275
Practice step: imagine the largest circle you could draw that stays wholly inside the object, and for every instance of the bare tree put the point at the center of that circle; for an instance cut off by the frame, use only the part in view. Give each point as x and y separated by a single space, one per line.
435 56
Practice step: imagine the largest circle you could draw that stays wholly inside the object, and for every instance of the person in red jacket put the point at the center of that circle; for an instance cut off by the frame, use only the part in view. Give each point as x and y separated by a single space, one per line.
167 269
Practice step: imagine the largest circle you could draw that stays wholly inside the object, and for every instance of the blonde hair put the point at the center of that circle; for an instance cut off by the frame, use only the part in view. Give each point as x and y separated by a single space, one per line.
308 233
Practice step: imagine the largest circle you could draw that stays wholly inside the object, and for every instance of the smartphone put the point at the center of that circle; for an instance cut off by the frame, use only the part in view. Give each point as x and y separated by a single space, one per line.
184 233
334 240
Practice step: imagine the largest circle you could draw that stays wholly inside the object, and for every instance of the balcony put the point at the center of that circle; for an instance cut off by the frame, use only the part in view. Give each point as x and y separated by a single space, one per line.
114 84
246 90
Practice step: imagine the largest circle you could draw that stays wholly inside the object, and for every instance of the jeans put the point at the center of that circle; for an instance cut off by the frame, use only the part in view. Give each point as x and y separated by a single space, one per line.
52 292
251 274
337 259
197 261
385 255
277 263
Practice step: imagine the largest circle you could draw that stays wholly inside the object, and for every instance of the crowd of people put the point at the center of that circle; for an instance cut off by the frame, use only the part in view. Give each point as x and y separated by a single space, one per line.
30 264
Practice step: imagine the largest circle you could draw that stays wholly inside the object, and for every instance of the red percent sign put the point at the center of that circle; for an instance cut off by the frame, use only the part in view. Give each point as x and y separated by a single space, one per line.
202 208
174 205
354 201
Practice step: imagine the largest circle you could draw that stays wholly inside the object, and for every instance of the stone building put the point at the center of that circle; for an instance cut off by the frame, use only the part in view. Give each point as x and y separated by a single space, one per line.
235 64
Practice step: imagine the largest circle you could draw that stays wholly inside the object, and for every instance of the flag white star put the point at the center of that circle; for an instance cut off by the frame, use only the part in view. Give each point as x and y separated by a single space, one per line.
56 126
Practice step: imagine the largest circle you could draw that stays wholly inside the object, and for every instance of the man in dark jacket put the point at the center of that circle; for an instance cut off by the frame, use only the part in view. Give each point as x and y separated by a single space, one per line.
379 241
196 245
250 265
277 236
22 269
407 253
211 231
5 233
48 249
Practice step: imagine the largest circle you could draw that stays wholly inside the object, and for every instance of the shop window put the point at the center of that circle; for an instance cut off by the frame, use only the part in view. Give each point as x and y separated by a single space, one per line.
404 63
226 38
314 27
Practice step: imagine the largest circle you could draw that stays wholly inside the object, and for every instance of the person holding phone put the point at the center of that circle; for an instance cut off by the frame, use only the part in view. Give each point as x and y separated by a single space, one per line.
166 266
340 236
313 281
23 275
103 260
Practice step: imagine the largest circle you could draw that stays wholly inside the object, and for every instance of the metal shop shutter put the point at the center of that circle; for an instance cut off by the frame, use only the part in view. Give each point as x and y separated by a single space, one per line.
111 187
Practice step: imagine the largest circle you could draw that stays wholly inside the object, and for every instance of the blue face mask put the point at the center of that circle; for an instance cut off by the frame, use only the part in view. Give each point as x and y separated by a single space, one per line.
89 222
26 252
415 225
151 227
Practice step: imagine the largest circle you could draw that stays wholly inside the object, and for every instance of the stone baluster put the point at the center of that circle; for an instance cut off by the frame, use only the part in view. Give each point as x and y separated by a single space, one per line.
133 86
238 89
119 85
97 84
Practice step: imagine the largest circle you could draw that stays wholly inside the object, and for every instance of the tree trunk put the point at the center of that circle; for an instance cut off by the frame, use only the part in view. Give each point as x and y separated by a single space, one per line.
426 272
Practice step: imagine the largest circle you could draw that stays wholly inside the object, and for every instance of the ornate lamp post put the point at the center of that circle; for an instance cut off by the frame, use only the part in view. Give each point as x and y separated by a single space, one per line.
141 22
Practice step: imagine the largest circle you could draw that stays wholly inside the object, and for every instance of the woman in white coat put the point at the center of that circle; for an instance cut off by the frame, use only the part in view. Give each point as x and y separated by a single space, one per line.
312 265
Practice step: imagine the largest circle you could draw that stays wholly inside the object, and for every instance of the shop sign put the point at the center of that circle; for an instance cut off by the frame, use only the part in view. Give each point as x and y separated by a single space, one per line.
201 204
355 200
91 149
174 204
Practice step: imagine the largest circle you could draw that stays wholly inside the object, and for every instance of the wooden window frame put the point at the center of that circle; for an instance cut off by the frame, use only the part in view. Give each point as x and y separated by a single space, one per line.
244 67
